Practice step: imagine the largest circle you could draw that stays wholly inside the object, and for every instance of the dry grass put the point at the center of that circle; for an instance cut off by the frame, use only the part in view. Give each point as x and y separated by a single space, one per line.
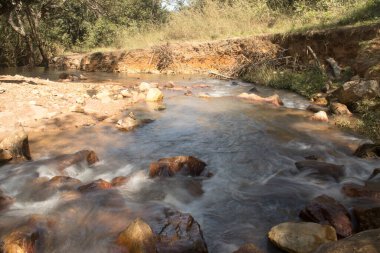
243 19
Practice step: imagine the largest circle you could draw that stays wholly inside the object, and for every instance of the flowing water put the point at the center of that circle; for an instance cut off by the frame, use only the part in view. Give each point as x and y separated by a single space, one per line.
251 149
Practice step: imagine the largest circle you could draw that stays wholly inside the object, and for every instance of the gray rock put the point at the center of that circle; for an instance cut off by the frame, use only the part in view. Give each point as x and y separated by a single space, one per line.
354 91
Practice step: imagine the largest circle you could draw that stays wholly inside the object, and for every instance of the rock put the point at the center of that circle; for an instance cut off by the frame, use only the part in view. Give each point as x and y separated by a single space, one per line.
77 108
2 91
368 217
321 101
5 201
87 156
138 237
248 248
180 233
63 182
275 99
368 150
188 93
336 70
320 116
119 181
15 147
301 237
99 184
316 108
146 86
204 95
234 83
253 90
154 95
361 191
169 85
127 124
321 168
354 91
339 109
160 108
80 101
364 242
168 167
126 93
327 211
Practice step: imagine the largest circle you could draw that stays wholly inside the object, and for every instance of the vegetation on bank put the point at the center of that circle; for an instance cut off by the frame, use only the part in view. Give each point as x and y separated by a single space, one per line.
31 31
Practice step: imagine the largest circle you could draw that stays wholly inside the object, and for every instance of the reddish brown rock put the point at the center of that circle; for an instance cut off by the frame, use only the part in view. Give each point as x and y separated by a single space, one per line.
60 182
248 248
180 233
87 156
99 184
119 181
368 150
339 109
360 191
322 168
5 201
368 218
186 165
327 211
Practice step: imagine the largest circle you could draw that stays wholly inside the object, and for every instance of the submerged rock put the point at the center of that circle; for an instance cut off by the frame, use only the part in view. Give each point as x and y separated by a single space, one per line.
368 217
275 99
317 108
303 237
364 242
326 210
185 165
99 184
321 168
119 181
154 95
5 201
138 237
248 248
368 150
361 191
66 161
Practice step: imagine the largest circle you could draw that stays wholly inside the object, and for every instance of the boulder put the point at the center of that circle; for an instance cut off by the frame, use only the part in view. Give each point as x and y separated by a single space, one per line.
368 150
321 168
367 217
320 116
154 95
354 91
180 233
15 147
275 99
185 165
326 210
364 242
317 108
99 184
248 248
87 156
303 237
339 109
138 237
361 191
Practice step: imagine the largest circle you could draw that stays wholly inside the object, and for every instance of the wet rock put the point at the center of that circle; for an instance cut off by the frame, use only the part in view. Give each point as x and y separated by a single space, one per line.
339 109
361 191
253 90
15 147
322 168
317 108
87 156
354 91
138 237
146 86
275 99
368 151
169 85
5 201
301 237
188 93
180 233
320 116
127 124
154 95
99 184
248 248
185 165
327 211
364 242
119 181
63 182
367 217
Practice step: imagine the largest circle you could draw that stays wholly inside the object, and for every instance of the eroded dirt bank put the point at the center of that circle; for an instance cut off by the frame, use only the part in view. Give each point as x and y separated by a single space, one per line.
355 47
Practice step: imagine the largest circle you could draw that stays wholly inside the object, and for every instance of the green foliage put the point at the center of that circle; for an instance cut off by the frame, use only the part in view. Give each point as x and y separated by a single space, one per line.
306 83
